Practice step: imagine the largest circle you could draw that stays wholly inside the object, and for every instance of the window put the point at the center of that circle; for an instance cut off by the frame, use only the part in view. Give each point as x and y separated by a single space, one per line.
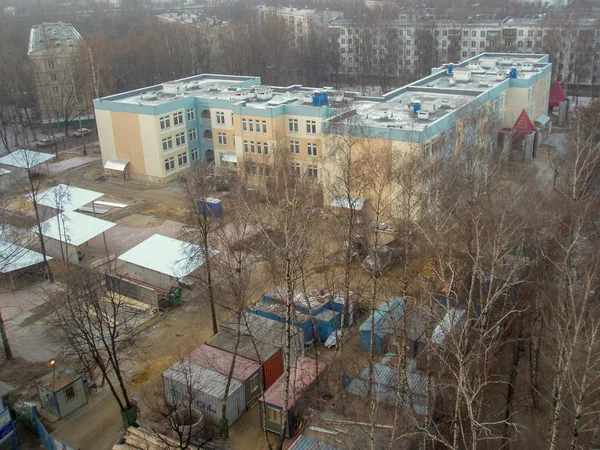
221 118
311 127
55 90
464 54
539 33
266 148
408 42
244 126
295 167
530 33
167 143
482 44
407 52
193 135
169 164
180 139
293 125
474 33
312 149
53 76
521 32
70 393
465 33
252 147
473 53
312 171
259 148
165 122
222 138
294 147
50 64
257 123
482 34
343 41
245 146
264 124
465 43
444 32
473 44
182 159
250 125
191 114
195 154
178 118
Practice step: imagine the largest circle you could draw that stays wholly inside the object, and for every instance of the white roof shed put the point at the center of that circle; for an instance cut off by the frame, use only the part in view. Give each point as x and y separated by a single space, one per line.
74 228
14 257
167 256
25 159
67 198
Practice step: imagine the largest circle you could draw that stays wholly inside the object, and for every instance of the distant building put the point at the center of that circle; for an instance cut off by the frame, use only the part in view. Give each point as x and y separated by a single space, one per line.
62 89
300 22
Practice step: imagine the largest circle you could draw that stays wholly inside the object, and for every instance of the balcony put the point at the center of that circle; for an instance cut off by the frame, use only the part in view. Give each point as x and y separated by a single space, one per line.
207 138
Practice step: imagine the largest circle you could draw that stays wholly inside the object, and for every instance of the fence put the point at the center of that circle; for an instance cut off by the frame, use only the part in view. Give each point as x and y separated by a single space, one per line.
48 441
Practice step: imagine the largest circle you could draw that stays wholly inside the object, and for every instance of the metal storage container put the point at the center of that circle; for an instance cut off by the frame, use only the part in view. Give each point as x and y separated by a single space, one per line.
327 322
267 330
244 370
302 302
275 311
269 355
209 387
382 321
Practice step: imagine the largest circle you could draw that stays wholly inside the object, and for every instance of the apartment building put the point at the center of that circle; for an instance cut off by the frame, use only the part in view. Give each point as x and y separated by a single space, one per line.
301 22
157 133
60 86
410 46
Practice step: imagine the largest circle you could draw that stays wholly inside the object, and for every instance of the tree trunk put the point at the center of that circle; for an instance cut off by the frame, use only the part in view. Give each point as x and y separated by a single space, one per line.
5 343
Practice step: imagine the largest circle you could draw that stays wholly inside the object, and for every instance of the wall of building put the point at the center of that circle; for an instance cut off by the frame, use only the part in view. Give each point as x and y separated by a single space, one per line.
149 276
53 248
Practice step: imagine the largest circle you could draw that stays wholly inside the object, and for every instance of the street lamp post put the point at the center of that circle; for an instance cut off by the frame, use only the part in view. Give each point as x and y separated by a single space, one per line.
53 364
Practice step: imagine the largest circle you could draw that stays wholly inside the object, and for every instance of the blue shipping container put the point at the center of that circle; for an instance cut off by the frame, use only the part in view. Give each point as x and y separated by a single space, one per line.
381 321
320 99
212 206
276 311
327 322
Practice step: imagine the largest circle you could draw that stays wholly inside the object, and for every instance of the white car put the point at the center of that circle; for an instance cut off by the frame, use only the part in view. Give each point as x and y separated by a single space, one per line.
82 132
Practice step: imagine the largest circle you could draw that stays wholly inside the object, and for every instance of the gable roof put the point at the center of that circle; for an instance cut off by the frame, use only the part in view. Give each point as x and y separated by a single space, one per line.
523 124
558 93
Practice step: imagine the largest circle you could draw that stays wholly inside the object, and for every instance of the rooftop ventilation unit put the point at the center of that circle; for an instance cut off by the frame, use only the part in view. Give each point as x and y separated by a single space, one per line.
452 82
528 67
423 115
171 88
431 105
307 98
487 63
263 93
213 87
500 76
462 75
483 83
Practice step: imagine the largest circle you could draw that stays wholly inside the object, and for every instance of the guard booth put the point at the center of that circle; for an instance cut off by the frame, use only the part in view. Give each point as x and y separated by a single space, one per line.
521 142
558 105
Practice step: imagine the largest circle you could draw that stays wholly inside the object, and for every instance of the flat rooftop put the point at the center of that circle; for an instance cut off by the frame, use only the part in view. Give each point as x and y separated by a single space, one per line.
67 198
14 257
74 228
52 35
166 255
25 159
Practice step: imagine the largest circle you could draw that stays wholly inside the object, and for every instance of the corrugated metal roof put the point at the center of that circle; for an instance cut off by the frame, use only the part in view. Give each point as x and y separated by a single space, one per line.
303 373
166 255
116 164
391 311
385 385
264 329
201 378
225 340
303 442
67 198
74 228
220 361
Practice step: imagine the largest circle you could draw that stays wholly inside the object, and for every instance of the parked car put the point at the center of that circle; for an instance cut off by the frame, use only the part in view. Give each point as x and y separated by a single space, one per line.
44 142
82 132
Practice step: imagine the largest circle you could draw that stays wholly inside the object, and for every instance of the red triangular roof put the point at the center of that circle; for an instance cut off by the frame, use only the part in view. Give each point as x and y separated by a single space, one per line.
557 94
523 124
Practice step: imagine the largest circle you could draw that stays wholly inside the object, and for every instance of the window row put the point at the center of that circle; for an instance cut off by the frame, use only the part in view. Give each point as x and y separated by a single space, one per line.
311 148
182 160
259 148
311 126
165 121
257 169
254 125
167 142
311 170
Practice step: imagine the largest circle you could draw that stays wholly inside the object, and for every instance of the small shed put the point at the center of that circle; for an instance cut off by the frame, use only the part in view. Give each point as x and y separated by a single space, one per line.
63 197
277 312
382 321
116 168
328 321
268 355
207 388
244 370
301 393
267 330
67 232
162 261
61 393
